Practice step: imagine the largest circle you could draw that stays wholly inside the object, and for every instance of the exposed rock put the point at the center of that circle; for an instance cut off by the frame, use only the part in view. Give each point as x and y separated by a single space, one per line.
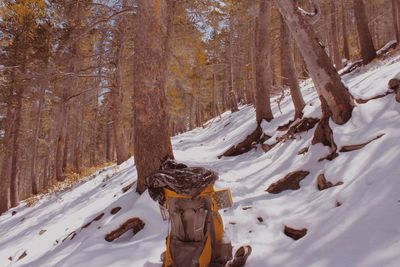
358 146
115 210
260 219
247 207
323 184
134 224
290 182
295 233
13 213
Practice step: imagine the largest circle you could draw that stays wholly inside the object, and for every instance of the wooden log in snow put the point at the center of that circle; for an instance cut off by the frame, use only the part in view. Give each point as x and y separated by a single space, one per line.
244 146
363 101
134 224
358 146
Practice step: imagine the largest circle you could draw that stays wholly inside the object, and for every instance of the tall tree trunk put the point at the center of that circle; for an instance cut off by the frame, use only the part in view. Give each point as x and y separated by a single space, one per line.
62 131
263 62
395 14
289 75
34 177
346 49
232 85
6 163
368 52
150 60
334 37
117 104
326 79
14 196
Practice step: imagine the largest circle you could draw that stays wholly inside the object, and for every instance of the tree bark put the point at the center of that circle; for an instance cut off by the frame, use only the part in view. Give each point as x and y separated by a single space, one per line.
263 62
395 14
117 104
34 177
326 79
368 52
289 75
6 163
334 37
62 131
152 49
346 49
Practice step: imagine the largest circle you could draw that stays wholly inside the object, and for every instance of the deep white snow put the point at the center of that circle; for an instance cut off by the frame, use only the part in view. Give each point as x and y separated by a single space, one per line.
363 232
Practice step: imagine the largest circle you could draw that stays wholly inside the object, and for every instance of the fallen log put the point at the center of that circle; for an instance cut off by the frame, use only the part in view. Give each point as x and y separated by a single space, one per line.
115 210
126 188
244 146
302 125
134 224
384 49
97 218
285 127
351 67
303 151
363 101
358 146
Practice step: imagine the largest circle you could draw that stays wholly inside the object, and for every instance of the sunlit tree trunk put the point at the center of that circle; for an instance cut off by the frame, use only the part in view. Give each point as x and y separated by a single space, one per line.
368 52
263 62
326 79
289 75
152 30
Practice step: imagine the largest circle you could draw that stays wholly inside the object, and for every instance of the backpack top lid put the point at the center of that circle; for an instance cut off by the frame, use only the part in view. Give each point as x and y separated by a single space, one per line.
179 178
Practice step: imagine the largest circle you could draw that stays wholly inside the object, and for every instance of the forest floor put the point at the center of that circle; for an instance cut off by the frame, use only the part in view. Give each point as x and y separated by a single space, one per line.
349 225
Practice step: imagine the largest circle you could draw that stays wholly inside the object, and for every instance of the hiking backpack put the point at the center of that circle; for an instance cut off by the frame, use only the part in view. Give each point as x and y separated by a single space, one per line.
196 236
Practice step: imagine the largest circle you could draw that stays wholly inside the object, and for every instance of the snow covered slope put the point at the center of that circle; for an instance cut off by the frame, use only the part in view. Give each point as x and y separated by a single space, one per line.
363 231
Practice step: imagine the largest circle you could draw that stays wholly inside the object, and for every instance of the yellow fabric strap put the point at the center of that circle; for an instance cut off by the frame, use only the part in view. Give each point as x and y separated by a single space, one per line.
171 194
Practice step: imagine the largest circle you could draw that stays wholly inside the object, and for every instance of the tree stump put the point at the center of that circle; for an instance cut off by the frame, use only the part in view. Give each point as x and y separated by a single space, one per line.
290 182
134 224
